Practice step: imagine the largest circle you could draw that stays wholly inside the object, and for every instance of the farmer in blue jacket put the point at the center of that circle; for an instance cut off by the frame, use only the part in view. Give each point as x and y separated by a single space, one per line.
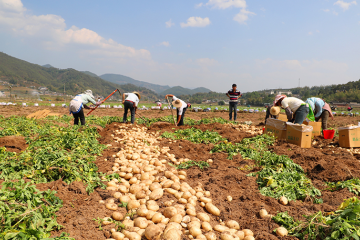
321 110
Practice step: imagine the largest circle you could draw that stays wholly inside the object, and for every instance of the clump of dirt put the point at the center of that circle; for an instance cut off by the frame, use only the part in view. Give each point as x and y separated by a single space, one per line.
13 143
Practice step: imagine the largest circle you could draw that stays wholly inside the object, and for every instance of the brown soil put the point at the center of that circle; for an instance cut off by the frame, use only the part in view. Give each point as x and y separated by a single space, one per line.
13 143
330 164
79 209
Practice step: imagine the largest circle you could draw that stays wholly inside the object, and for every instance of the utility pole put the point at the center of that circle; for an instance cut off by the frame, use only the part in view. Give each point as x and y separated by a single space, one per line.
64 95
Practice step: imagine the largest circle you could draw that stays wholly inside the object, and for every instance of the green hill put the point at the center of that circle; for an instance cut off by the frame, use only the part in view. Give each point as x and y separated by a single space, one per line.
23 73
121 79
178 91
90 73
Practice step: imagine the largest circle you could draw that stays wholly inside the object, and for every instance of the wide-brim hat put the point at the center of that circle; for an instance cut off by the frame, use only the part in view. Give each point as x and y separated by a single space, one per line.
176 103
89 92
138 94
274 111
278 98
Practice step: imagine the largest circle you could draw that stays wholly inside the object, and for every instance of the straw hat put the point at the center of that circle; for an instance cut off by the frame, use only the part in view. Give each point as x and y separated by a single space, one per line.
176 103
274 111
138 94
89 92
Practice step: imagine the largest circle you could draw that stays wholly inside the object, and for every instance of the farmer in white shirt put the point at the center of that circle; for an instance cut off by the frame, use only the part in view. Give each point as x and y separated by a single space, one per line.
131 102
296 109
181 107
78 103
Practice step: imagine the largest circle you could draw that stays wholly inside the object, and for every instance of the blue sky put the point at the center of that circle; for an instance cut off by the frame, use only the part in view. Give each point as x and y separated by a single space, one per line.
211 43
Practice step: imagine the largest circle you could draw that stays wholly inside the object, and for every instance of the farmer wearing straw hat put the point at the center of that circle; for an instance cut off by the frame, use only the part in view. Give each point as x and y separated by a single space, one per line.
78 103
131 102
321 110
271 113
181 107
296 109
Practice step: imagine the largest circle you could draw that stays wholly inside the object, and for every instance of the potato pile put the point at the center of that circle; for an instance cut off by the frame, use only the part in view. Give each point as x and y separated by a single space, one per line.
247 128
145 179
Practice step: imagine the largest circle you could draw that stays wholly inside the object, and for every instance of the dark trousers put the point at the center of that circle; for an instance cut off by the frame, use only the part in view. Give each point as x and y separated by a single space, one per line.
129 105
232 107
81 116
324 118
301 114
181 123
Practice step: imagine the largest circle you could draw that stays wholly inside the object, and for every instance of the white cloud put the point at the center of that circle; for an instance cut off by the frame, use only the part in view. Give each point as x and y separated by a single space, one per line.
345 5
223 4
166 44
51 32
335 13
169 24
199 5
326 10
243 16
206 62
310 33
196 22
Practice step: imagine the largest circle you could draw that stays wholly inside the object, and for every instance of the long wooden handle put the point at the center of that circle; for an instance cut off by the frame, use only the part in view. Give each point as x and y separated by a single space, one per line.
103 101
171 111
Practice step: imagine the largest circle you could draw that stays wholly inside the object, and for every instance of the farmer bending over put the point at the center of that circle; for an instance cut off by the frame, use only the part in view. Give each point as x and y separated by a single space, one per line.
78 103
321 110
181 107
296 109
131 102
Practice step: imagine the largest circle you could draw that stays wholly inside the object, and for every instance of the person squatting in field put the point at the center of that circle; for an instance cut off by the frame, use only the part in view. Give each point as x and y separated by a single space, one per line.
233 95
269 113
78 103
181 107
130 103
296 109
321 110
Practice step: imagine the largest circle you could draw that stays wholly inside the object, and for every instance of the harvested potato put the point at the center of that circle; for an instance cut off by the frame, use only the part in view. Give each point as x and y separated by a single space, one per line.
169 212
133 204
153 232
195 231
157 218
283 200
117 216
141 222
212 209
264 214
248 232
220 228
156 194
206 226
281 232
172 234
203 217
232 224
118 235
111 206
210 236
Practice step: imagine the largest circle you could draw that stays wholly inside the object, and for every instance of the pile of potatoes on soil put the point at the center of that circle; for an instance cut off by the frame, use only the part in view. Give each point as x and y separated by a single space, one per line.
247 128
145 178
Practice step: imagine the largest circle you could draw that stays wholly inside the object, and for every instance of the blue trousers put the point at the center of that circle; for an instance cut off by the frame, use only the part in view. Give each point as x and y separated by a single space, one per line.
232 107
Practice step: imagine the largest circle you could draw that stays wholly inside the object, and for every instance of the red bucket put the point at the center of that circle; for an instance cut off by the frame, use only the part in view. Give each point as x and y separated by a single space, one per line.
263 129
328 134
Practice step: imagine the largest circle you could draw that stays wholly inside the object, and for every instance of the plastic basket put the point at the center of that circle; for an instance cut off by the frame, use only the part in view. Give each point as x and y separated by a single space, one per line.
328 134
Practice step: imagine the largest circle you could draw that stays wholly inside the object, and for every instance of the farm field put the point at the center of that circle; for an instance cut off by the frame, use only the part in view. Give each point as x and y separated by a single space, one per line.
221 175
